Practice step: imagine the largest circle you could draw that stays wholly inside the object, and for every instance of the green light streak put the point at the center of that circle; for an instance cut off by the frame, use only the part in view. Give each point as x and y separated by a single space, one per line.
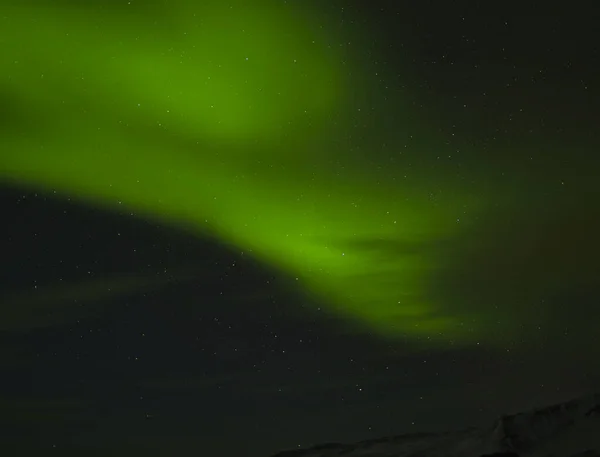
212 118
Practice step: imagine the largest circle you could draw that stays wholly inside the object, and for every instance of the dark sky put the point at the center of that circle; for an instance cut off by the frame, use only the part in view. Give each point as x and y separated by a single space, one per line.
122 334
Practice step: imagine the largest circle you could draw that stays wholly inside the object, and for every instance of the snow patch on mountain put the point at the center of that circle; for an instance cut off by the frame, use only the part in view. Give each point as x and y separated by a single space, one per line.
570 429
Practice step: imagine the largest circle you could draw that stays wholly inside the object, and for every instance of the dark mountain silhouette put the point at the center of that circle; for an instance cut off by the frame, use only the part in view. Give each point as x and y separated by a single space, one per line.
570 429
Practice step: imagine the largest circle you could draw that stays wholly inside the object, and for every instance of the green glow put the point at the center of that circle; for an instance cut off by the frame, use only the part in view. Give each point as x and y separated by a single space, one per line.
222 71
214 119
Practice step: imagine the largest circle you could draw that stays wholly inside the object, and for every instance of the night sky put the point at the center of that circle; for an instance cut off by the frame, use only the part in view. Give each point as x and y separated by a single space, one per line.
236 227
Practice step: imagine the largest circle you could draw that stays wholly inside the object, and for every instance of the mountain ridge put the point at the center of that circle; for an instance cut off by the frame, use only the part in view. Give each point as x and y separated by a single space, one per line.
566 429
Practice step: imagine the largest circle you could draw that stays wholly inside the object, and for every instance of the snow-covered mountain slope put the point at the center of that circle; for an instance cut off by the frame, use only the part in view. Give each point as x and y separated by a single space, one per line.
570 429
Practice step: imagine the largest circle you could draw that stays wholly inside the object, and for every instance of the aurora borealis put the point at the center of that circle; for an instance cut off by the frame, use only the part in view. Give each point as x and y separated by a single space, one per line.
221 128
398 178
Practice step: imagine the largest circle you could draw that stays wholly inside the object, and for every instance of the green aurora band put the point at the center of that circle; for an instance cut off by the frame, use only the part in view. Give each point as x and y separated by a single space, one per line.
215 119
